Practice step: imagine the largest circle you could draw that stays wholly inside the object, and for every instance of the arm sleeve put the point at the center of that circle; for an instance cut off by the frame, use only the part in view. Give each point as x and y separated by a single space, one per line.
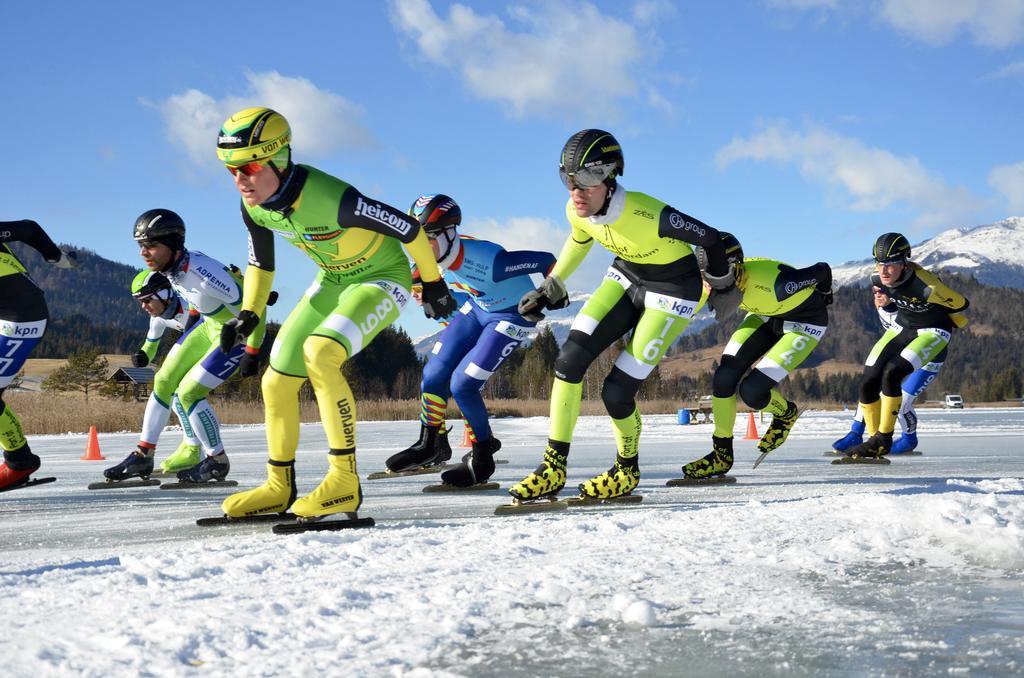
255 339
32 234
679 226
256 289
261 244
521 262
573 252
357 211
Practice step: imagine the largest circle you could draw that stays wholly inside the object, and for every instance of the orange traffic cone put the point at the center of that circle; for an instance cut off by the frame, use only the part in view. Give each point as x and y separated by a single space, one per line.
92 448
467 436
751 429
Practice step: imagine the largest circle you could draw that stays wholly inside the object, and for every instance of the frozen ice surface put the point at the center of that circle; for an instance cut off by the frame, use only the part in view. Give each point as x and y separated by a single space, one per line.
799 568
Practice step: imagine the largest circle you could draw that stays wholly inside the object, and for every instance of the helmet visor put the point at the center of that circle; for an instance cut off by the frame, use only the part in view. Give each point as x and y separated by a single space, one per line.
249 168
586 177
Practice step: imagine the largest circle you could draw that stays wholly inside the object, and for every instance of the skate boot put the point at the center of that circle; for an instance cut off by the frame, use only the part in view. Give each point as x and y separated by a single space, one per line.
478 468
338 492
17 467
548 479
273 496
779 429
210 469
906 444
716 463
854 437
431 449
184 458
618 481
138 463
877 445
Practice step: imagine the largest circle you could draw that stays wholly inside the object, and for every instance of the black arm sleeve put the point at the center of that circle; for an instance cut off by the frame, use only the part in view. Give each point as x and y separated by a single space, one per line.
357 211
791 280
32 234
261 244
679 226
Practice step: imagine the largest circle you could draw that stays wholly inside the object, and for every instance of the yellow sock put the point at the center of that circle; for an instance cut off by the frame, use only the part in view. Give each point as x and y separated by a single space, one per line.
565 409
11 435
724 412
627 434
871 413
324 358
890 409
281 403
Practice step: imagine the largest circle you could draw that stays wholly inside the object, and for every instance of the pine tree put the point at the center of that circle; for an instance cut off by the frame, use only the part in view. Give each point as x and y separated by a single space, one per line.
85 370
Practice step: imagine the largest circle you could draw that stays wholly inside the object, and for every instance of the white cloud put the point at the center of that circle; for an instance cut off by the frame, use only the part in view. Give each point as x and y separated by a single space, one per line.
547 57
321 121
519 233
1009 180
993 23
650 11
874 179
1012 70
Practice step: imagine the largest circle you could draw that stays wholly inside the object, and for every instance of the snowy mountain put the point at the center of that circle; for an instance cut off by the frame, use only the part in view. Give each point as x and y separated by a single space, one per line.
992 253
561 321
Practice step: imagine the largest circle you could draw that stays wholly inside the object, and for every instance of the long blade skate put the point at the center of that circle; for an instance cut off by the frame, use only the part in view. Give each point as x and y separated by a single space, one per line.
584 500
122 484
420 471
189 485
518 506
710 480
319 524
454 489
882 461
246 520
760 459
28 483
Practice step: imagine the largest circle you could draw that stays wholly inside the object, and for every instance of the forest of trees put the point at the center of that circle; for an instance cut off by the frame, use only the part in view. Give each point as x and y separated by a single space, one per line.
984 361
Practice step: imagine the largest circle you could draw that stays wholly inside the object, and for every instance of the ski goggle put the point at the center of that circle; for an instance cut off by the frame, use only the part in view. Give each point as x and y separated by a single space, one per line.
586 177
249 168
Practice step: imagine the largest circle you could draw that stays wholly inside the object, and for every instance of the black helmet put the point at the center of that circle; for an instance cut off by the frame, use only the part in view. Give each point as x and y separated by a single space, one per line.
733 249
891 248
591 157
149 283
162 226
436 213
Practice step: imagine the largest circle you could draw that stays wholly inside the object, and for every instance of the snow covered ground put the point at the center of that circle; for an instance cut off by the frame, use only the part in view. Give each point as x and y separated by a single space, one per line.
799 568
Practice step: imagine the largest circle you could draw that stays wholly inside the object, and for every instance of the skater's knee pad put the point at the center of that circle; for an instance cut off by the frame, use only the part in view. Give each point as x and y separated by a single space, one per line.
756 390
726 378
323 355
897 369
618 393
572 362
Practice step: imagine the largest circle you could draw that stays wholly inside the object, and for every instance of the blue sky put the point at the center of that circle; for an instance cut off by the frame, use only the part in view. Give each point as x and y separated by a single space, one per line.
805 127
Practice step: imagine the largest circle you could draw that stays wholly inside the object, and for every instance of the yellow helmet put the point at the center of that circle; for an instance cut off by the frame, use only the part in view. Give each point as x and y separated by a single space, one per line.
252 135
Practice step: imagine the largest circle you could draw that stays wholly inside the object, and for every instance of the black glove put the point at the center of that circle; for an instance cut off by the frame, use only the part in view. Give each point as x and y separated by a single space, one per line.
249 365
237 329
725 302
551 294
140 359
438 302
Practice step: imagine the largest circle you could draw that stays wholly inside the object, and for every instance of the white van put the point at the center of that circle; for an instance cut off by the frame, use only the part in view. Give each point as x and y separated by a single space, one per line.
955 401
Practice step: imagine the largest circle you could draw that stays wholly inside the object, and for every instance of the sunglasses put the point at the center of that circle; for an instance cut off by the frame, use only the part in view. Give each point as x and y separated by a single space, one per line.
586 177
248 169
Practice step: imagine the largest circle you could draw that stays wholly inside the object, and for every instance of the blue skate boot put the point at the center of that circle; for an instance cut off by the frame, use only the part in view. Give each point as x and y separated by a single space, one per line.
854 437
906 443
137 464
210 469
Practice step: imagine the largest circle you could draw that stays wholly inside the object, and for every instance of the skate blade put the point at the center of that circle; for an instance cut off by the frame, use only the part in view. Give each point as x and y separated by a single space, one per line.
538 505
122 484
246 520
319 524
710 480
28 483
425 470
760 459
912 453
599 501
501 461
445 487
831 453
188 485
880 461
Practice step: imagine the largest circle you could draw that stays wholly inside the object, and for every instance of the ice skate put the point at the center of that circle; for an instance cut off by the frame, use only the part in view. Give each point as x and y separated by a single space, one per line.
871 451
16 469
138 464
851 439
615 484
477 469
907 444
273 496
710 469
338 492
211 471
426 455
779 429
184 458
539 490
